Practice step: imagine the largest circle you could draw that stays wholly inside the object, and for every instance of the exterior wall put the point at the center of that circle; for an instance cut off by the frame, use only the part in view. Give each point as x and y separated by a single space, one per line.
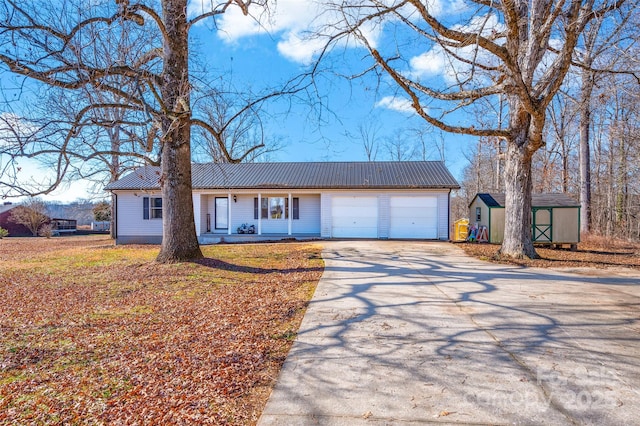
242 211
566 228
443 216
315 213
496 229
484 213
309 222
132 228
384 215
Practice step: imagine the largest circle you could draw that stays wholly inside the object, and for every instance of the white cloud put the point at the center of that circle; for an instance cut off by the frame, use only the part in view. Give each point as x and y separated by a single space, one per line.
428 63
292 23
395 104
437 61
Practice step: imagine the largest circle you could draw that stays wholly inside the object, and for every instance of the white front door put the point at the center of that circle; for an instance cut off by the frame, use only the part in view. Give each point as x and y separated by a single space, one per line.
222 213
354 217
413 217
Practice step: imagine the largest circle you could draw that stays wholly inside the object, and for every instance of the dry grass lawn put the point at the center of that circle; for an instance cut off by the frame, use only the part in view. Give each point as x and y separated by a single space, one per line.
91 333
594 252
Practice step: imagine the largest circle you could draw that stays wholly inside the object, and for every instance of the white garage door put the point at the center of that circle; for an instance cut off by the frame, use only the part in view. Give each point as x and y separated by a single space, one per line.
413 217
354 217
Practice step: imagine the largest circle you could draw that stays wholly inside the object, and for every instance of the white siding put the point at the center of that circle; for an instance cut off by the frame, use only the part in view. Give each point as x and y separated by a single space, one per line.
325 217
242 211
130 221
443 215
383 216
309 222
197 214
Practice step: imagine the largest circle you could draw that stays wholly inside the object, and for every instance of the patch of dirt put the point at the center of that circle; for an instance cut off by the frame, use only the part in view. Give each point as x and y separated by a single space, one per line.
594 252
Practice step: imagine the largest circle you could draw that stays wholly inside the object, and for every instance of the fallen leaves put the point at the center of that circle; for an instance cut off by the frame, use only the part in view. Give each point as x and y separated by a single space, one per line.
593 253
99 334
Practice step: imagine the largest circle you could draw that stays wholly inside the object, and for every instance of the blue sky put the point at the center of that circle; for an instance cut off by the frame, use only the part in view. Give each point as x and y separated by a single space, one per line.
264 55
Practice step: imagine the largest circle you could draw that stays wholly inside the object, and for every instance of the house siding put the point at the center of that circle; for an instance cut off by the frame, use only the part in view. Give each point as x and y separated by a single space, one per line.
135 229
443 216
384 212
325 219
309 222
315 213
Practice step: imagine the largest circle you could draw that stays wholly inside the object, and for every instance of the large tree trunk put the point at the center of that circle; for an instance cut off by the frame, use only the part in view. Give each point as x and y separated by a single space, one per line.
585 153
179 240
517 241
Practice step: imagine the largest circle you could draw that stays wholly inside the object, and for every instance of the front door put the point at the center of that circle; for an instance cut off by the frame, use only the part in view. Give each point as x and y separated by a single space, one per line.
222 213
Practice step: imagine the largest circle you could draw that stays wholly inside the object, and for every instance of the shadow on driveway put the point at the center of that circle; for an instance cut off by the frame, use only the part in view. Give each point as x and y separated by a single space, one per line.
417 332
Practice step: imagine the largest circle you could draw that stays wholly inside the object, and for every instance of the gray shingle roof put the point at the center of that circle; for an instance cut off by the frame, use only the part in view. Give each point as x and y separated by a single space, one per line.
537 200
321 175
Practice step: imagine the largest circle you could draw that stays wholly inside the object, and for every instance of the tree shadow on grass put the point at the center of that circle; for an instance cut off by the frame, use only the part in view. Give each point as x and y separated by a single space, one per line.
232 267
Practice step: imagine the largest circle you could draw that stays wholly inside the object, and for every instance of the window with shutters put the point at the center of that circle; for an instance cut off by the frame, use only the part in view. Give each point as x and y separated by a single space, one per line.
276 208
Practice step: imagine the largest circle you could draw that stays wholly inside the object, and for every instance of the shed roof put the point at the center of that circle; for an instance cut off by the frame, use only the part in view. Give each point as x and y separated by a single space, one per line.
318 175
537 200
7 207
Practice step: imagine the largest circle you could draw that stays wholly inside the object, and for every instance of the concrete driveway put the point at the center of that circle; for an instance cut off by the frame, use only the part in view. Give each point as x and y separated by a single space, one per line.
416 332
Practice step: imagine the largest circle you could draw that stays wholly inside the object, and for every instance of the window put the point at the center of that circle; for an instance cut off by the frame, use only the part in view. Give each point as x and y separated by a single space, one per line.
151 208
478 214
276 208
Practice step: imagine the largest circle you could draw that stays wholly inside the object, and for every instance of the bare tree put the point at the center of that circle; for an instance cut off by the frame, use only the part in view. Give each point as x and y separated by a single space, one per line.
59 46
517 50
369 135
600 50
232 128
32 214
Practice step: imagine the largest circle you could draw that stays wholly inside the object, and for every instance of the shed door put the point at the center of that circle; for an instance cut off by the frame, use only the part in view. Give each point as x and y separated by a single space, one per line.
413 217
354 217
542 225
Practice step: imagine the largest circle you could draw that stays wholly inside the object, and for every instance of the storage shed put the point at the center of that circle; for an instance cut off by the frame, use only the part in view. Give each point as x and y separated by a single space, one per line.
555 217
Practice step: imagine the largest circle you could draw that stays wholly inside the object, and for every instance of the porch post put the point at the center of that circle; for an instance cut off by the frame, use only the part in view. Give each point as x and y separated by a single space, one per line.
229 213
259 213
290 214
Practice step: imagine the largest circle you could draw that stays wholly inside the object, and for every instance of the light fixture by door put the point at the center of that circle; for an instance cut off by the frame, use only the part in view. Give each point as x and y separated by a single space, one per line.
235 199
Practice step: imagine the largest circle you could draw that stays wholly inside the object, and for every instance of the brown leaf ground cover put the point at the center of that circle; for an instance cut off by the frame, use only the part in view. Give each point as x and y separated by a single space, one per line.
593 252
91 333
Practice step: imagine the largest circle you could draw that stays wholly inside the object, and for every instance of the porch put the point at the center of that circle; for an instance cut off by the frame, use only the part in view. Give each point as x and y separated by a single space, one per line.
271 216
211 238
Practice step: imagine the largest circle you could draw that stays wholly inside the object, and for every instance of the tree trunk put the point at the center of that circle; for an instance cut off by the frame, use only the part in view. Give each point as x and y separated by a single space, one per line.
114 168
517 241
585 153
179 240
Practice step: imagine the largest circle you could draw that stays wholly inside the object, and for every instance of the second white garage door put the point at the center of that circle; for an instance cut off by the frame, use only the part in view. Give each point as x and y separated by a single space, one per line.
413 217
354 217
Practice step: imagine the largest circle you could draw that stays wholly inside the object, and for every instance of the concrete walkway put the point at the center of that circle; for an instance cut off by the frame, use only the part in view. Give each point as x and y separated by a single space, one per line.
417 332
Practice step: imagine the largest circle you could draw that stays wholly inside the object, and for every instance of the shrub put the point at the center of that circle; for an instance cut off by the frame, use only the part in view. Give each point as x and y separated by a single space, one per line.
46 230
3 233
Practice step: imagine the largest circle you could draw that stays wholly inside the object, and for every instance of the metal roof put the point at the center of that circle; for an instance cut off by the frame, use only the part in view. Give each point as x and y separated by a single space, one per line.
6 207
320 175
537 200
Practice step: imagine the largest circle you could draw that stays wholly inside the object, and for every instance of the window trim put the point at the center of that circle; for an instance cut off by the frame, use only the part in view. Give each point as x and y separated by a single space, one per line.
265 208
150 211
478 214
